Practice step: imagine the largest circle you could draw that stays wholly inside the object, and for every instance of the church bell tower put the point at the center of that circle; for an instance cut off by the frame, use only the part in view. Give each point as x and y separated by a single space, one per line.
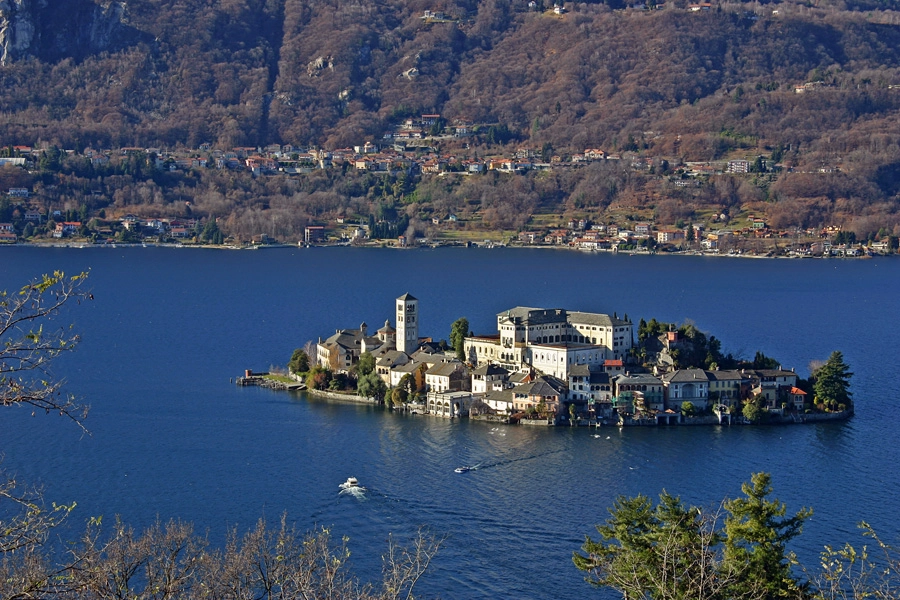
407 324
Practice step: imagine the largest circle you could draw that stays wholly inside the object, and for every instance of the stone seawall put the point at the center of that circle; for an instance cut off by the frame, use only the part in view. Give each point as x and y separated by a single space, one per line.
773 419
817 417
709 420
337 396
536 422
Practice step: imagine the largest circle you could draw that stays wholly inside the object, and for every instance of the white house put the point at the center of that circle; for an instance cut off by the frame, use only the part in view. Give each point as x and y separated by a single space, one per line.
488 377
686 385
448 376
449 404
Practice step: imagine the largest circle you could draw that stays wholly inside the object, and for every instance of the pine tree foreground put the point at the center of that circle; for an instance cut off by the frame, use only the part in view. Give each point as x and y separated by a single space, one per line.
736 552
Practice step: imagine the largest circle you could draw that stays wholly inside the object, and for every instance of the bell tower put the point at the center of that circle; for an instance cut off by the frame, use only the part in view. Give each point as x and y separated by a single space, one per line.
407 324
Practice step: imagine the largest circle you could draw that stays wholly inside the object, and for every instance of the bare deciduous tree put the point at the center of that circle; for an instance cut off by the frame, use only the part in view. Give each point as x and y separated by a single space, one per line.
29 344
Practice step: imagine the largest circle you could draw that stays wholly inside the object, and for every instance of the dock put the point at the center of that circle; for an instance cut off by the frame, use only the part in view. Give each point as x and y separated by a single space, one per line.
267 381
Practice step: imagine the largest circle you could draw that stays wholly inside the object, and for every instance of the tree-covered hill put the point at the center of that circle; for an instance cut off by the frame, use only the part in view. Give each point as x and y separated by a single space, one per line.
810 85
331 72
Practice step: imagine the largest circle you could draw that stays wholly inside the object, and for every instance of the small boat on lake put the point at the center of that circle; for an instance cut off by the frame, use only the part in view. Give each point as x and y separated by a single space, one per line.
351 483
462 469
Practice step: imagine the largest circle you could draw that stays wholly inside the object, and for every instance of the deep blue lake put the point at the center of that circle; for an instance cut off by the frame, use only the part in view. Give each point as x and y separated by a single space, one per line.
171 437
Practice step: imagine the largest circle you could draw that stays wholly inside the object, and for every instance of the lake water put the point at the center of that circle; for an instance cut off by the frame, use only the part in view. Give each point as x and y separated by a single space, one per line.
173 438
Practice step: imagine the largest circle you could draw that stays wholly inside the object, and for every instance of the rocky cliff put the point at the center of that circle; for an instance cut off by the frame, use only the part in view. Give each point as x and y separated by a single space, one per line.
56 29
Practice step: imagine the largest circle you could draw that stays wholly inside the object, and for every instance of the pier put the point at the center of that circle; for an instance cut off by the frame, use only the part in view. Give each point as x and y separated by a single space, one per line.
267 380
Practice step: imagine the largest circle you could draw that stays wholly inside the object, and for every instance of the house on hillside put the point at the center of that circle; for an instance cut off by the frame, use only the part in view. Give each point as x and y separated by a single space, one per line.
66 228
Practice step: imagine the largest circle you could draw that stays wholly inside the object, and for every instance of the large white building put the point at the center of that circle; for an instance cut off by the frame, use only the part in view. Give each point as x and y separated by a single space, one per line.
551 340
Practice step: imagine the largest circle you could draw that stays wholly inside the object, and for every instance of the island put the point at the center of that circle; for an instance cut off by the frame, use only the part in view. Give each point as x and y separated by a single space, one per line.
559 367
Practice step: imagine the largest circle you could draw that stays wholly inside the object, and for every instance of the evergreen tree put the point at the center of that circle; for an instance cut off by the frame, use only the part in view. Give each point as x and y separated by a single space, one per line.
372 386
677 552
366 364
458 332
761 361
299 362
756 535
211 233
832 386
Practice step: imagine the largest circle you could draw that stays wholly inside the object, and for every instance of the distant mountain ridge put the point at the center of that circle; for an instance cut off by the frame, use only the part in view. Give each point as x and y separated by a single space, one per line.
250 72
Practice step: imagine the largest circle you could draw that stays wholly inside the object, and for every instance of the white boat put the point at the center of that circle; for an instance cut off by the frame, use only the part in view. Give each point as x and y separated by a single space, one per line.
350 484
462 469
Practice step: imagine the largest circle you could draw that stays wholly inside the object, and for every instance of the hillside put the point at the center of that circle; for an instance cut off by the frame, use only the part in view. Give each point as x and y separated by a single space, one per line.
813 89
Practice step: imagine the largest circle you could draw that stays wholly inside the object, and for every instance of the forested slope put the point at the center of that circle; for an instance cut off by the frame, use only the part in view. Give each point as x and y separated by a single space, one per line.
671 82
330 72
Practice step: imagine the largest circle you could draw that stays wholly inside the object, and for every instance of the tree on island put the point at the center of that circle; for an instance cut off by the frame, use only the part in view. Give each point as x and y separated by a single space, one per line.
832 382
366 364
753 409
652 329
695 349
458 332
675 552
371 385
399 396
762 362
318 378
299 362
419 380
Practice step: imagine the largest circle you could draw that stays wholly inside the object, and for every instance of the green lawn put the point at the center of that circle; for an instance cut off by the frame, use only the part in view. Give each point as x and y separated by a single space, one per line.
280 378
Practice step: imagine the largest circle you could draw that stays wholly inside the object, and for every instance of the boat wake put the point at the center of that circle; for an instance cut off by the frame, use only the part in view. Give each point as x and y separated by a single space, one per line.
509 461
352 487
357 492
465 469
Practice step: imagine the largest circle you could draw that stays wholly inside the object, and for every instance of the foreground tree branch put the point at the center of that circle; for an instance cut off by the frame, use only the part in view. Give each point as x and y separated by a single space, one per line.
29 342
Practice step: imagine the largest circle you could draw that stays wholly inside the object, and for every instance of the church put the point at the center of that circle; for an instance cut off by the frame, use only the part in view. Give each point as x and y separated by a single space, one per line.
342 349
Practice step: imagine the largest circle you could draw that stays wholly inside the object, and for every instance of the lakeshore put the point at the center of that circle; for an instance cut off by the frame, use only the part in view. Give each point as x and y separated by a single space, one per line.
860 252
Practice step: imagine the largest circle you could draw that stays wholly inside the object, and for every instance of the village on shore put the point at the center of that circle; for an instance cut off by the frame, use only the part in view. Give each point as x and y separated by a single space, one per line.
412 150
557 367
